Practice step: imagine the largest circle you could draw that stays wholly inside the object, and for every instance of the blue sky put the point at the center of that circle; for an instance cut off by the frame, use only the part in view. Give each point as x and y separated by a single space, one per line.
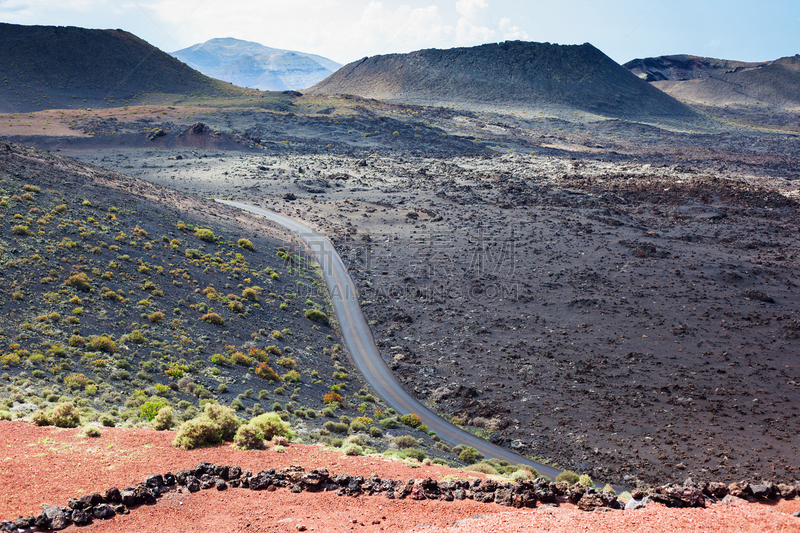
346 30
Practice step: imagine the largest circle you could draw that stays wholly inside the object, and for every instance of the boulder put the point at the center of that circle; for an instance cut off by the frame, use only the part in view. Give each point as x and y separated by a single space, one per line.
590 502
81 517
417 492
504 496
169 479
120 508
92 499
760 491
717 489
181 475
740 490
7 526
112 495
221 485
633 504
192 484
293 473
128 498
576 493
103 511
154 481
260 481
787 492
56 516
315 479
207 481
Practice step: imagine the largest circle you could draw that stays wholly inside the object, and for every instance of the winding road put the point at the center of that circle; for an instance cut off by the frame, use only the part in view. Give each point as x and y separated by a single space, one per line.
365 354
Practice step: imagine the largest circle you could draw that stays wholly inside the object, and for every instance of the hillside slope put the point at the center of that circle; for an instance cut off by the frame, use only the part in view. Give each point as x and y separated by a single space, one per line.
52 66
510 75
722 82
253 65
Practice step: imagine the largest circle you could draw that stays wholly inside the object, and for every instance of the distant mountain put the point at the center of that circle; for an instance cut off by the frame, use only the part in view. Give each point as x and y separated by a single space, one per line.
253 65
55 66
723 82
685 67
505 76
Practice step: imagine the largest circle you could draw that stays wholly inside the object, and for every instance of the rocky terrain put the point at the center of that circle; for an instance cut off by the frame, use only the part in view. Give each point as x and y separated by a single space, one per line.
155 487
509 76
249 64
612 297
758 93
124 299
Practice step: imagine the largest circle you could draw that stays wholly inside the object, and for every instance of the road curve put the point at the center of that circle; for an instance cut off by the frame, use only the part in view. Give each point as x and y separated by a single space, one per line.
365 354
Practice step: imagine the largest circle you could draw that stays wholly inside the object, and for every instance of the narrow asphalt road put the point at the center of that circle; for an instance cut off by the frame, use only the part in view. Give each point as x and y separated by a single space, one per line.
365 354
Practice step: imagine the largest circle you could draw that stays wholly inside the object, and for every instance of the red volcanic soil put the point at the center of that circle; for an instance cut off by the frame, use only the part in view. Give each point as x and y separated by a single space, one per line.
49 465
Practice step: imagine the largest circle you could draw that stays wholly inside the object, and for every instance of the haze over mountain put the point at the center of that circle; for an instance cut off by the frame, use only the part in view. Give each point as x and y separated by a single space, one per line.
723 82
56 66
512 75
254 65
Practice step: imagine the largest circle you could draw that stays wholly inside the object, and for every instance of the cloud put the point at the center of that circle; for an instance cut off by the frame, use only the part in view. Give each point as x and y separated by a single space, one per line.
472 10
511 32
343 30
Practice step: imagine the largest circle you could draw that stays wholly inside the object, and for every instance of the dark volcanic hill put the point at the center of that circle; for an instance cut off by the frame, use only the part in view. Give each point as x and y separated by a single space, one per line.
513 75
254 65
46 66
723 82
685 67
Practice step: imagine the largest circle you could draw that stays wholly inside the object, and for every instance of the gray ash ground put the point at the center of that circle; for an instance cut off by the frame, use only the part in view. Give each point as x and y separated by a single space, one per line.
622 302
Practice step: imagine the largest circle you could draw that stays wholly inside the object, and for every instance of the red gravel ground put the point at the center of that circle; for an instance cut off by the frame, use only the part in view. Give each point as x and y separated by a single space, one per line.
49 465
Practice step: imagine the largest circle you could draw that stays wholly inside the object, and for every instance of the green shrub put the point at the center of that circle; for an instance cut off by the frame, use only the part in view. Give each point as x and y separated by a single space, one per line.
213 318
355 427
405 441
91 431
246 244
271 425
375 432
292 376
164 419
411 420
264 371
353 449
40 418
483 468
470 455
205 234
197 432
76 381
21 230
103 343
107 420
79 281
412 453
248 437
317 316
65 415
336 427
149 410
217 424
586 481
569 477
389 423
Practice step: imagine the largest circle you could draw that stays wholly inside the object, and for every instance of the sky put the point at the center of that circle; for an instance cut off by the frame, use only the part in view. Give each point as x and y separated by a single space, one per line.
347 30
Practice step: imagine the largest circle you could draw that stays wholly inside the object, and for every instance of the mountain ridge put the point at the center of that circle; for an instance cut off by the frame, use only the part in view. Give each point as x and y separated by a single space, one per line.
723 82
505 76
59 66
251 64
